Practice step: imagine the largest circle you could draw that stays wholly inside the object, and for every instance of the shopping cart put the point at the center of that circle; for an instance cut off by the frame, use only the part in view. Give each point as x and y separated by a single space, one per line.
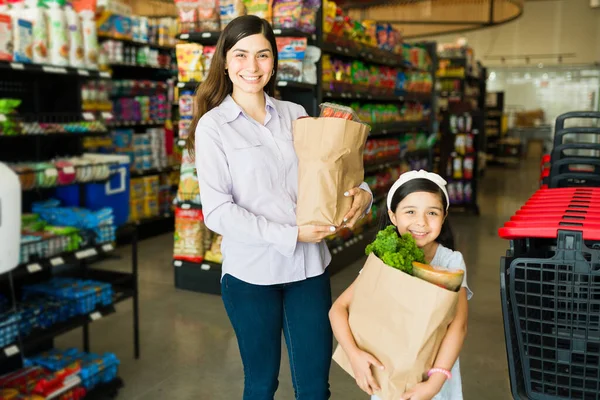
568 164
550 291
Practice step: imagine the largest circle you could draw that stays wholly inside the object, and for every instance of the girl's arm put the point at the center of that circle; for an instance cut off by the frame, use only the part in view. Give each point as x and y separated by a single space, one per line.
361 360
448 353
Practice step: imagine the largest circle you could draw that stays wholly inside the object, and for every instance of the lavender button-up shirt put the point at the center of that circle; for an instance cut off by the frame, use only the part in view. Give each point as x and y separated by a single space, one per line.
248 176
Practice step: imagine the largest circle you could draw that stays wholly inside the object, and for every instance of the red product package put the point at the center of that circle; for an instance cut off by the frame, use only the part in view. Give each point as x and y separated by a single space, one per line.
189 228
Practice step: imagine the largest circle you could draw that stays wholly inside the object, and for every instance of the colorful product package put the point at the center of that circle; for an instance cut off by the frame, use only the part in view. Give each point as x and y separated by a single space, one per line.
90 39
58 41
469 165
186 103
308 19
23 41
188 14
76 46
260 8
189 62
207 53
214 252
230 10
287 13
291 56
37 16
208 15
6 38
189 244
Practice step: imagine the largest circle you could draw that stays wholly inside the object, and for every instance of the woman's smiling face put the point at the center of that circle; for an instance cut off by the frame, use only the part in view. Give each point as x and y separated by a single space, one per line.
250 64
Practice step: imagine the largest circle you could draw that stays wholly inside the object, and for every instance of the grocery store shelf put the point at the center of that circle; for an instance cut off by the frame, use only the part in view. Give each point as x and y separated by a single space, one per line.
380 165
296 85
351 251
211 38
188 85
136 123
390 128
87 254
361 92
104 391
152 67
154 171
136 43
366 53
204 277
49 69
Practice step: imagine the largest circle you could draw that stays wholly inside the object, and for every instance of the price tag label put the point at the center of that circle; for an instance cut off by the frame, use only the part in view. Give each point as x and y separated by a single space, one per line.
83 72
33 268
277 31
88 116
50 172
206 35
177 263
105 75
18 66
107 115
282 83
11 351
328 94
358 96
205 267
181 84
54 70
186 206
181 143
385 131
86 253
184 36
69 170
2 118
334 251
95 316
55 262
108 247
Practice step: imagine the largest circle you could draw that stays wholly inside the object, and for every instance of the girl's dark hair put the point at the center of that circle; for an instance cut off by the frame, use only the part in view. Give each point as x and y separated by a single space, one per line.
446 237
217 84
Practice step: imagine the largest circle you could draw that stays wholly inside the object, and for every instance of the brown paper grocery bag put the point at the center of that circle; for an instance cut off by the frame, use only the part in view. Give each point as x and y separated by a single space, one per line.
330 162
401 320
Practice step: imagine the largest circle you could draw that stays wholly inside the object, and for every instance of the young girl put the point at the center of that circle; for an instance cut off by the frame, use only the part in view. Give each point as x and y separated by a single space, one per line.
417 203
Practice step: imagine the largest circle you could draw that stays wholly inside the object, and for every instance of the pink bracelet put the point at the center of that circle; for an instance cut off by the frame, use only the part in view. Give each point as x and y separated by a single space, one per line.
441 371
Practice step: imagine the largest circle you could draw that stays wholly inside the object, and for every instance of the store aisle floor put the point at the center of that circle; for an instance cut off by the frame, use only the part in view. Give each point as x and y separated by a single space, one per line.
189 349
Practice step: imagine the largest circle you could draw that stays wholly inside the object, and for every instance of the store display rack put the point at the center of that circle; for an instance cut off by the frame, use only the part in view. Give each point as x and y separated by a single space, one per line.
136 43
48 69
493 125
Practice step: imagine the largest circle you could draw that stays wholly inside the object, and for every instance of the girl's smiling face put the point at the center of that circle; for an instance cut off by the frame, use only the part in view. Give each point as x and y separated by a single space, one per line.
422 215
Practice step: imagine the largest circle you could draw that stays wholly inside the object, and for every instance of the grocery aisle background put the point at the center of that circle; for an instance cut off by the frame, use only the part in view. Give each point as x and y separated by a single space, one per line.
189 349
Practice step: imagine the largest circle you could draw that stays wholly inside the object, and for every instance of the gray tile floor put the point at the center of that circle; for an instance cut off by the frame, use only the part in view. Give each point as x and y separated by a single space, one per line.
188 346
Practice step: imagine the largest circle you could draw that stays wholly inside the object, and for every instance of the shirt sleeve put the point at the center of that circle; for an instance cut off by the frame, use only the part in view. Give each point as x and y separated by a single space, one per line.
365 186
221 214
456 261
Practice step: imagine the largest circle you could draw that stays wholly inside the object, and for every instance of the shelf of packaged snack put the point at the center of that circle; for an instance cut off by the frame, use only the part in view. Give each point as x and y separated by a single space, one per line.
339 91
50 69
351 250
459 77
156 122
72 258
122 291
211 38
398 127
106 390
343 47
136 43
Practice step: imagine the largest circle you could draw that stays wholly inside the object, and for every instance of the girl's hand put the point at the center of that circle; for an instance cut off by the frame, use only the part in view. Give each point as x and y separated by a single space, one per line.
314 233
361 362
424 390
362 200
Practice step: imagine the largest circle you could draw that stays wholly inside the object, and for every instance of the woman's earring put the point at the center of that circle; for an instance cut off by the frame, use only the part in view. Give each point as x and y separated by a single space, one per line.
272 72
225 72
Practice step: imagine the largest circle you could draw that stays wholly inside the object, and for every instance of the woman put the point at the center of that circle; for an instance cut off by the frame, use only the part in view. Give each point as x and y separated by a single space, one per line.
274 272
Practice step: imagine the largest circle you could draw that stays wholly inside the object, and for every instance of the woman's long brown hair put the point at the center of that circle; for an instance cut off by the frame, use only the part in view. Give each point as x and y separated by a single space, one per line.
217 85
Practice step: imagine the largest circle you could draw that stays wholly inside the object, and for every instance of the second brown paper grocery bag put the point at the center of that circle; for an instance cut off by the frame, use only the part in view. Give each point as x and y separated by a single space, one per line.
401 320
330 162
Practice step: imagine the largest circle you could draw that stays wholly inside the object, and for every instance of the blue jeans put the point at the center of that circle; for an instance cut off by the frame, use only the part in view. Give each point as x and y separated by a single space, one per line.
260 313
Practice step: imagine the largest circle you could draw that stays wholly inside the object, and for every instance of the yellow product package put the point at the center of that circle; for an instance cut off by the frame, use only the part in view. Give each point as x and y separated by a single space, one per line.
189 62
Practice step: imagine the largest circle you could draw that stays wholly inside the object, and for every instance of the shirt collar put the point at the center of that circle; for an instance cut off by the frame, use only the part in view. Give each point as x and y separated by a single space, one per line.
231 110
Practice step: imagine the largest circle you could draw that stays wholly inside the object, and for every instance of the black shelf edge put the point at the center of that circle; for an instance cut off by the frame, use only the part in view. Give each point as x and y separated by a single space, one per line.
154 171
152 67
358 94
296 85
204 277
89 253
392 128
118 124
211 38
378 166
188 205
104 391
370 55
132 42
188 85
350 251
51 69
56 135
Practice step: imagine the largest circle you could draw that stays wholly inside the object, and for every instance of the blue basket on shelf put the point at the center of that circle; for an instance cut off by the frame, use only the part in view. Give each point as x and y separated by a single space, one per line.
9 328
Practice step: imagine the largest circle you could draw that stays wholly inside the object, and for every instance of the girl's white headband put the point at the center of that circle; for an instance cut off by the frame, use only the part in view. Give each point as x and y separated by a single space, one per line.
422 174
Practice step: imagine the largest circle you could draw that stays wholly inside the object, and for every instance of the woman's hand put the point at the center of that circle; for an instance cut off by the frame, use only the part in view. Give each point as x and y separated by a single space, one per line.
314 233
362 200
425 390
361 362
